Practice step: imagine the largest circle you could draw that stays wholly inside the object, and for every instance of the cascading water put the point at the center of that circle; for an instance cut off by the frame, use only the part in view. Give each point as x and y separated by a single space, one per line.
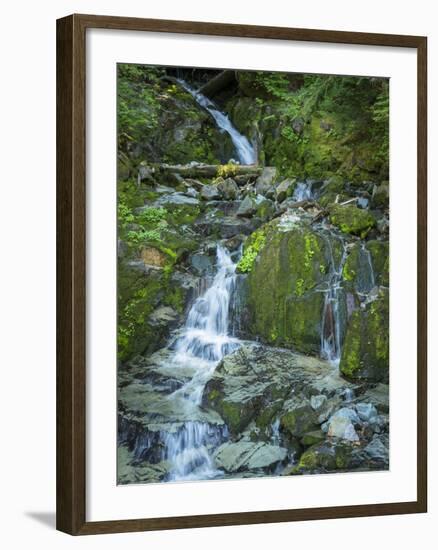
244 150
203 343
331 329
303 191
367 279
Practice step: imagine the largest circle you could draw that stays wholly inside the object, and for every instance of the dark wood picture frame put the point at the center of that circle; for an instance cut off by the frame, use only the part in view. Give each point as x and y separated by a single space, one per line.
71 270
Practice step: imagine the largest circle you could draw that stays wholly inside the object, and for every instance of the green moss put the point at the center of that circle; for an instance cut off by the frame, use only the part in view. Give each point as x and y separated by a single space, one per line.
227 170
312 438
299 420
253 246
365 354
284 305
232 415
350 269
299 287
325 456
379 251
351 219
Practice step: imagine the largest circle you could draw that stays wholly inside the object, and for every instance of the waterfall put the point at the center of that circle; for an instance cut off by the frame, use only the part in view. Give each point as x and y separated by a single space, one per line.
365 279
303 191
244 150
203 343
331 329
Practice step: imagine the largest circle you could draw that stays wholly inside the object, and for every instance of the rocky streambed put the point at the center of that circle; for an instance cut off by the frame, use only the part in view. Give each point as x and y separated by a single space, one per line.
261 346
253 306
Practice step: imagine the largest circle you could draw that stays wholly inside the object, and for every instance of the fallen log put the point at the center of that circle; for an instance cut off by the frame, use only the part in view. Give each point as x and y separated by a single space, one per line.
218 83
210 170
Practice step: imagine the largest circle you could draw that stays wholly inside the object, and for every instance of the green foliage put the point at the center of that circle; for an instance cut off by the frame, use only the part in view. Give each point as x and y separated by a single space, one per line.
351 219
227 170
138 106
316 125
255 245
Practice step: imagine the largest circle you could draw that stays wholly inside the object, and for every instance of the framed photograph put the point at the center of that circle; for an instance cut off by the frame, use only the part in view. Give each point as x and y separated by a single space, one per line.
241 288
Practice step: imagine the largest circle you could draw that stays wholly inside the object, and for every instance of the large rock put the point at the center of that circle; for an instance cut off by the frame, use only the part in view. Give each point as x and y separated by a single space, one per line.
365 354
379 251
202 263
247 208
142 291
299 417
380 198
265 181
351 219
225 227
324 457
341 425
210 193
228 189
177 199
285 189
291 269
257 383
235 457
367 265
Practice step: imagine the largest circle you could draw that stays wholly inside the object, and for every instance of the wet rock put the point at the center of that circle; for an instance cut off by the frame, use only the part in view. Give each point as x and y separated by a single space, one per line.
367 412
130 471
210 193
379 250
191 192
351 219
288 270
226 227
299 418
145 172
201 263
228 189
196 184
359 270
380 198
265 208
255 383
285 189
312 438
145 405
177 199
264 183
235 457
378 395
164 316
340 425
317 401
383 225
247 207
326 456
377 451
365 354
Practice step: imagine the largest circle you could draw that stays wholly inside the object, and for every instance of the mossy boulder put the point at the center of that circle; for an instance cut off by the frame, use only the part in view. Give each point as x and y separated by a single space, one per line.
351 220
312 438
379 251
365 354
142 293
326 456
367 265
380 198
299 418
283 300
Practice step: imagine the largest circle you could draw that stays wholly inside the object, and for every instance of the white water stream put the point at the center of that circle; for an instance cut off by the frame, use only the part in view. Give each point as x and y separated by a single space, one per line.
203 343
245 151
